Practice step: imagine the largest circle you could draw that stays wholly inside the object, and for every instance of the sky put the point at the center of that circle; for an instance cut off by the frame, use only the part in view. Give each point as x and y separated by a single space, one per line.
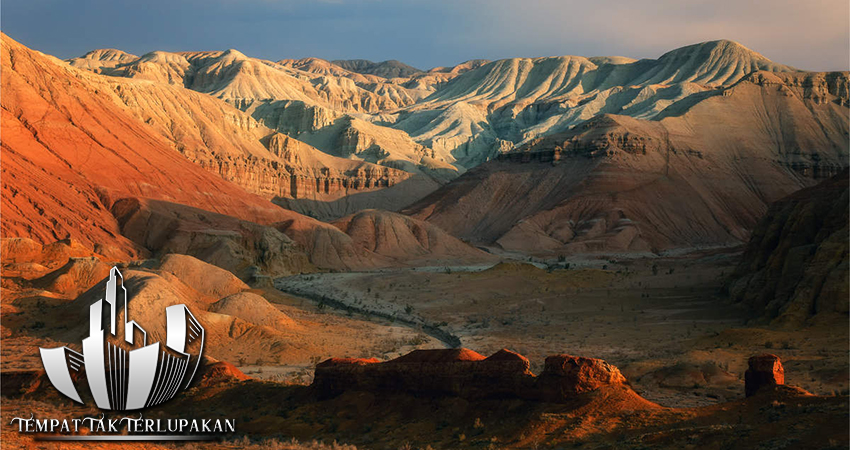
811 34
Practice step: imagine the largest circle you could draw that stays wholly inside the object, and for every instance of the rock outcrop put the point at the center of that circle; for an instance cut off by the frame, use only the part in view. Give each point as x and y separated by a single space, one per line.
467 374
795 267
565 375
764 370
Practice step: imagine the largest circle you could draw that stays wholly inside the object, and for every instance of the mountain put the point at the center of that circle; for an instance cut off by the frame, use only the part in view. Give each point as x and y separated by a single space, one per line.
136 168
465 66
701 174
553 154
105 58
240 149
69 151
384 69
463 115
80 161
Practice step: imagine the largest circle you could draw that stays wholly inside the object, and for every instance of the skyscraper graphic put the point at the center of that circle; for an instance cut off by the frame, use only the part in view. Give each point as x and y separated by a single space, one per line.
131 374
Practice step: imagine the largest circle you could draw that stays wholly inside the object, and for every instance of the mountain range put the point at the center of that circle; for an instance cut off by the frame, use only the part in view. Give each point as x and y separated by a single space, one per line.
540 156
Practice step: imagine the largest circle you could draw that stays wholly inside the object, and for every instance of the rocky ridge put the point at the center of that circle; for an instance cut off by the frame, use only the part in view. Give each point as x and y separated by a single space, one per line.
464 114
467 374
795 266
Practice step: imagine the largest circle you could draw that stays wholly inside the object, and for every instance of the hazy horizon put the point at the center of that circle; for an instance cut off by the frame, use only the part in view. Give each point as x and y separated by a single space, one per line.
431 34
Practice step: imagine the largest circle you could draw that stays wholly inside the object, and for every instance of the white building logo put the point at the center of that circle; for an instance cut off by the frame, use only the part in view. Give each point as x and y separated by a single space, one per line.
128 374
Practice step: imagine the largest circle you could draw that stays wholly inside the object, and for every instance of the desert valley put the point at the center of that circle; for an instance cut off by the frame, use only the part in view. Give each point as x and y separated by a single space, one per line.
551 252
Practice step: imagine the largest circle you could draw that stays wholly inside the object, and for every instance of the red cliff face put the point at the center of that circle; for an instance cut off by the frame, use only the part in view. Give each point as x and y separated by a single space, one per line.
467 374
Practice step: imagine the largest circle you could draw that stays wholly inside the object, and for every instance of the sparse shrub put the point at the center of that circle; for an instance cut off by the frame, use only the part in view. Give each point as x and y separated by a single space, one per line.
768 344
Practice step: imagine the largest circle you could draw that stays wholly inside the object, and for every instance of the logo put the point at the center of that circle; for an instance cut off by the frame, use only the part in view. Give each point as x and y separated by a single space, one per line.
124 372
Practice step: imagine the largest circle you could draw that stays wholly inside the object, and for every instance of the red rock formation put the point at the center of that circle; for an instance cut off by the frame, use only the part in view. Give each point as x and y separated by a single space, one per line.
764 370
565 375
465 373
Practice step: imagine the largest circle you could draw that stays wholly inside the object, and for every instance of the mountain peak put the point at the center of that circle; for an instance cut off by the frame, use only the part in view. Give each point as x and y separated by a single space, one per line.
718 49
234 54
108 54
